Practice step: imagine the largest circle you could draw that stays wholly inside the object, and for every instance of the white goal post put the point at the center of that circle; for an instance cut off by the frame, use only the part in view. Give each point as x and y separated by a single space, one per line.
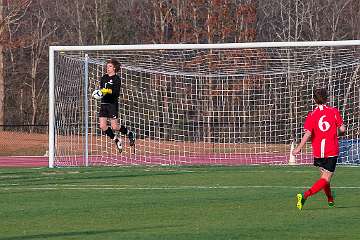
194 104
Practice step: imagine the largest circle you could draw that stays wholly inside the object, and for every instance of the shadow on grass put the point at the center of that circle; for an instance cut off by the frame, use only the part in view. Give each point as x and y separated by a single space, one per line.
329 208
347 207
32 180
79 234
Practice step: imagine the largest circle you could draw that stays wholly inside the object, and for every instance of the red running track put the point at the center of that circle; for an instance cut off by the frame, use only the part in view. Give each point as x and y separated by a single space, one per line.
202 159
24 161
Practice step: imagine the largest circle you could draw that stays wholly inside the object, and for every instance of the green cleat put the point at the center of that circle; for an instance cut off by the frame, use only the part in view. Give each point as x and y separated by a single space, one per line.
331 204
300 201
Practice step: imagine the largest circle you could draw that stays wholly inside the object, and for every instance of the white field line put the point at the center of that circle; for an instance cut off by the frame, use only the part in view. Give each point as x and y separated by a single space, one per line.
119 187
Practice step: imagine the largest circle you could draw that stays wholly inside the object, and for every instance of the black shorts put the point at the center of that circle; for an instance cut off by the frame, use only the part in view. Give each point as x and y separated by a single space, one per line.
326 163
109 110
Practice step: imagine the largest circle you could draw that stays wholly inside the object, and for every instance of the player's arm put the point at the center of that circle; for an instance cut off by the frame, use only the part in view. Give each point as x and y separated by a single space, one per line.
341 129
339 123
103 88
113 89
116 86
308 126
304 139
102 82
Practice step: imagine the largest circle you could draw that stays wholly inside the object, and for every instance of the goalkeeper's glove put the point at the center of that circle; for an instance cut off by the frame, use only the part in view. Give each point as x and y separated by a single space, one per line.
106 91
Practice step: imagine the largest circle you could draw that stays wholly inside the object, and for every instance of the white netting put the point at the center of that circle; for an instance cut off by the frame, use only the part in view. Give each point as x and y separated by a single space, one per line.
206 106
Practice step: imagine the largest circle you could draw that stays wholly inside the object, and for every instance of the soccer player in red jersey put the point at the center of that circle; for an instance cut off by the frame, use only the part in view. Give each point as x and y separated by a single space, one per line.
322 125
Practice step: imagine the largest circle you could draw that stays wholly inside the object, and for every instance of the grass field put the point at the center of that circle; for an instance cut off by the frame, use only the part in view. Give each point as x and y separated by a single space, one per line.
175 203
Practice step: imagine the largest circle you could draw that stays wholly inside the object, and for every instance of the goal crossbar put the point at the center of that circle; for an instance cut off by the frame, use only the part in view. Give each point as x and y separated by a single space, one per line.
206 46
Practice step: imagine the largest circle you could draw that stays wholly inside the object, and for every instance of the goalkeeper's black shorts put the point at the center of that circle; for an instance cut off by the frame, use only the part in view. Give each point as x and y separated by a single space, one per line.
109 110
326 163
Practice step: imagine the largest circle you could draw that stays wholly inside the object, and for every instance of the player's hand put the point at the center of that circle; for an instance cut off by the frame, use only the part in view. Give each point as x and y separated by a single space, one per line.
295 151
106 91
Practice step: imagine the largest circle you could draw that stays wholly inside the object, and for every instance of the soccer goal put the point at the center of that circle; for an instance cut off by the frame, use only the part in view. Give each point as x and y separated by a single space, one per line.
194 104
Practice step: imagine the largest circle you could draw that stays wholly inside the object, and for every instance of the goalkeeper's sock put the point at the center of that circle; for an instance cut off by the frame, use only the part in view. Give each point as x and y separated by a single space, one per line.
123 130
318 185
131 137
110 133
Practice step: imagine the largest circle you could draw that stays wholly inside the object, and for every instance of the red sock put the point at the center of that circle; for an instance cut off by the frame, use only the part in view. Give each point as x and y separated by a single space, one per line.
327 191
320 184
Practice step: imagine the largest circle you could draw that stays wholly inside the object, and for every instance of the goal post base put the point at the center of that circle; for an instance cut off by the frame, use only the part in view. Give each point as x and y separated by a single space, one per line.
292 158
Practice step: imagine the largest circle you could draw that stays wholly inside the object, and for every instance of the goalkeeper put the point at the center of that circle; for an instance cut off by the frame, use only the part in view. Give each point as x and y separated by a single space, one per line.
110 85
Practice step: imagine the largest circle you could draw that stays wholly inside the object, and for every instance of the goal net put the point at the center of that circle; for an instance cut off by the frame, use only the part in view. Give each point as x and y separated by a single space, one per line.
225 104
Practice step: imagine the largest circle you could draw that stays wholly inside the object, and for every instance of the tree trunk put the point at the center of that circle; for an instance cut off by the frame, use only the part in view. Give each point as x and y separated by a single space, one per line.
2 80
79 28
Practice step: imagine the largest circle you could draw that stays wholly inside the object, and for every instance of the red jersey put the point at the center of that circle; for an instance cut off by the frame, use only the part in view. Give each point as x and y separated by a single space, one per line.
323 123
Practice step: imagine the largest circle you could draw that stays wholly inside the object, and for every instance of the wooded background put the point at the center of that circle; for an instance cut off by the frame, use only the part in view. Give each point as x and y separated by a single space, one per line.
28 27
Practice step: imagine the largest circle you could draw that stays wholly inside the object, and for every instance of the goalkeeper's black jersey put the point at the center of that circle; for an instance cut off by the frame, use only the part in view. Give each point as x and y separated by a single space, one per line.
114 83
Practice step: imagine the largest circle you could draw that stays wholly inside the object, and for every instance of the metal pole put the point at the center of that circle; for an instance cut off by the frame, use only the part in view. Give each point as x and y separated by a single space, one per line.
86 109
51 108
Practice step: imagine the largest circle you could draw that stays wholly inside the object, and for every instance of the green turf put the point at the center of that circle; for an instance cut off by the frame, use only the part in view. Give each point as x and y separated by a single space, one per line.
175 203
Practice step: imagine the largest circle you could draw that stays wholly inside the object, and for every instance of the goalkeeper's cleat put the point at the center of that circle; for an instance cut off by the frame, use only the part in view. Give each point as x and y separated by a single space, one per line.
331 204
118 144
131 136
300 201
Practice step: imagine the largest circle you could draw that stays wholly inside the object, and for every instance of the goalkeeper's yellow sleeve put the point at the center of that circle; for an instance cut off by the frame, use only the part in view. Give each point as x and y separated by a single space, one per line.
106 91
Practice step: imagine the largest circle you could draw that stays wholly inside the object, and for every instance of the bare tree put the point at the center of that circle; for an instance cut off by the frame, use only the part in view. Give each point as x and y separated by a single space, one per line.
352 21
86 22
10 12
297 20
2 81
41 32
